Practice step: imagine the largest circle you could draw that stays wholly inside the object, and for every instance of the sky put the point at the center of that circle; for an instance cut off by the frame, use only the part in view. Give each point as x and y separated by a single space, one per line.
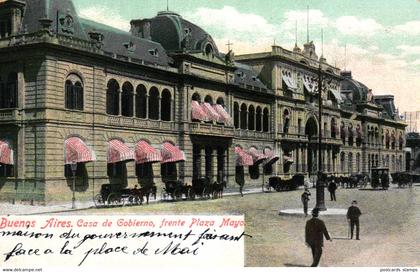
379 41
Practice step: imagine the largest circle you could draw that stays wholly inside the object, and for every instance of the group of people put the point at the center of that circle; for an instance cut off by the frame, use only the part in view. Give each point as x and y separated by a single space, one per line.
315 229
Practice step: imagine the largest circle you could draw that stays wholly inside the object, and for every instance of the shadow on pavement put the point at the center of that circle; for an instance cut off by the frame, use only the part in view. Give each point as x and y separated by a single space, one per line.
295 265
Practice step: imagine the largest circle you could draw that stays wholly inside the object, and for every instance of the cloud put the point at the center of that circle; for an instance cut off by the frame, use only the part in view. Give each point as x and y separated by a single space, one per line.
229 22
409 28
105 16
351 25
408 50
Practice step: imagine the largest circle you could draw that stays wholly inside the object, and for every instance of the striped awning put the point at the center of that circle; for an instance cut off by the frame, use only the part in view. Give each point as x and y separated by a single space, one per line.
171 153
257 156
6 153
310 84
145 153
76 151
271 157
337 95
211 112
119 152
242 158
197 112
224 116
288 80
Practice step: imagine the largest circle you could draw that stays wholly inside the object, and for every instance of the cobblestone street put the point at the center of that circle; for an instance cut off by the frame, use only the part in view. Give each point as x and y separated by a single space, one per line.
389 226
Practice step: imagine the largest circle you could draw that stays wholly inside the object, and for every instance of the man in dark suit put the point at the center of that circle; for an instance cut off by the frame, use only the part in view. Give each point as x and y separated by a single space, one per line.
353 214
315 231
332 187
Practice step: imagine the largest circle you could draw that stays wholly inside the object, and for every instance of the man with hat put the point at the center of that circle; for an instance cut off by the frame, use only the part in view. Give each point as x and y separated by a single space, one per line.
353 214
315 231
305 199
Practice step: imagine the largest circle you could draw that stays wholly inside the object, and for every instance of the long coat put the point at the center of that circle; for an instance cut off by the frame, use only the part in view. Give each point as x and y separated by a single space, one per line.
315 231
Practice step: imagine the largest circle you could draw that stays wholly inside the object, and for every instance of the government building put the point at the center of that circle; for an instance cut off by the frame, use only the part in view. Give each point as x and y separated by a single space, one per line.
161 102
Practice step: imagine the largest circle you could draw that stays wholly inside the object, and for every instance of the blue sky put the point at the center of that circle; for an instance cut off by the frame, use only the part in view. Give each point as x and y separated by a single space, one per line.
382 38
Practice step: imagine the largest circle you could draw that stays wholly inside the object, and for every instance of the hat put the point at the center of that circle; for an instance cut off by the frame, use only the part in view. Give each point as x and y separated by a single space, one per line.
315 212
354 202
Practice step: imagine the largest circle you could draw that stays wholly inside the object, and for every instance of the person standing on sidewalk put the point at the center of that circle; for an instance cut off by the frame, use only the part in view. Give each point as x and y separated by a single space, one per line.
353 214
315 230
332 187
305 200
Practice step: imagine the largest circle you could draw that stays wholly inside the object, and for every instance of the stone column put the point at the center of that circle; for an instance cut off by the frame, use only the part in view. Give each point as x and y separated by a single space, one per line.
213 167
160 108
147 106
203 160
119 102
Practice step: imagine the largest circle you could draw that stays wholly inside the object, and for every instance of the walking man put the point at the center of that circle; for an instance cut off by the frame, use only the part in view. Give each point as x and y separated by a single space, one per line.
315 231
305 200
353 214
332 187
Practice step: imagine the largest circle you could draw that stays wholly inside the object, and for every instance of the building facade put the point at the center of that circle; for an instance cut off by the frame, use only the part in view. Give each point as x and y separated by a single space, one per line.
162 103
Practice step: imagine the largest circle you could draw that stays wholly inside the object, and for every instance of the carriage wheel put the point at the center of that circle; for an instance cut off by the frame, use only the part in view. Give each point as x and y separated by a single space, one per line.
98 201
113 199
206 193
191 194
278 188
124 201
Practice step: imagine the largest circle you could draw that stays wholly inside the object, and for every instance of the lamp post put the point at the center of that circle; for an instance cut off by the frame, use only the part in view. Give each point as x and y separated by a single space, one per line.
320 194
73 166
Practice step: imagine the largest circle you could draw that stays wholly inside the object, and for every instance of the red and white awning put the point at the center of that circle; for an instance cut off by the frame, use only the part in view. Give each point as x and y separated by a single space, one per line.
257 156
271 157
211 112
6 154
242 158
224 116
197 112
145 153
171 153
310 84
119 152
76 151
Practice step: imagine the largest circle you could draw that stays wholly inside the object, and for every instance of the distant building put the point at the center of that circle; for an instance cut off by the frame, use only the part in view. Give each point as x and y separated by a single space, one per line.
412 118
161 103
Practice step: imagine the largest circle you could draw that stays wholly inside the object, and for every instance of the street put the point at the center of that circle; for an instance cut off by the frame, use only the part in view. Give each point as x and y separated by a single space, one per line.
389 232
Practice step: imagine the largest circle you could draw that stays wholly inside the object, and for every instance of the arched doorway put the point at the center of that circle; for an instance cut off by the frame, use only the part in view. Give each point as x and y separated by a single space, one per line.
311 131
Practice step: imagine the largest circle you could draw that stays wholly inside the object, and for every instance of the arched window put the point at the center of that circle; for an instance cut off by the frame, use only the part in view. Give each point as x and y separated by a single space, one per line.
286 121
259 118
342 162
244 116
154 104
8 92
127 100
196 97
166 105
350 163
251 118
208 99
113 98
333 128
141 101
74 93
266 127
220 101
236 115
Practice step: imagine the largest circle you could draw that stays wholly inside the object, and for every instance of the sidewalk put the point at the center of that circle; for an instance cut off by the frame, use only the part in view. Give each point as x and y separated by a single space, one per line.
26 209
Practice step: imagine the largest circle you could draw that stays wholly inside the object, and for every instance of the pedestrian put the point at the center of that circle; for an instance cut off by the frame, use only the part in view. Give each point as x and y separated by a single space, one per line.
353 214
315 230
305 199
332 187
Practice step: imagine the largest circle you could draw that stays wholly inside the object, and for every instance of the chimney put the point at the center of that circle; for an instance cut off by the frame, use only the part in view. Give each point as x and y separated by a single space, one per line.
141 28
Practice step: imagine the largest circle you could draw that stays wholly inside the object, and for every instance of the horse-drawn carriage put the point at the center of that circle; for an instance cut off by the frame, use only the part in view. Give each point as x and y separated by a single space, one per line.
176 190
380 177
201 187
279 184
402 179
116 194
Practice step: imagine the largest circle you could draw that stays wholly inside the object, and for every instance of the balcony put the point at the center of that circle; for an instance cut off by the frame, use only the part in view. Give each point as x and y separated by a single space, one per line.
131 122
211 129
242 133
9 115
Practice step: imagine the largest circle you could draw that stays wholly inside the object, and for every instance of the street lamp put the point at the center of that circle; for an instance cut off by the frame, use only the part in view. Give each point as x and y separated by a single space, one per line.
73 166
320 194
